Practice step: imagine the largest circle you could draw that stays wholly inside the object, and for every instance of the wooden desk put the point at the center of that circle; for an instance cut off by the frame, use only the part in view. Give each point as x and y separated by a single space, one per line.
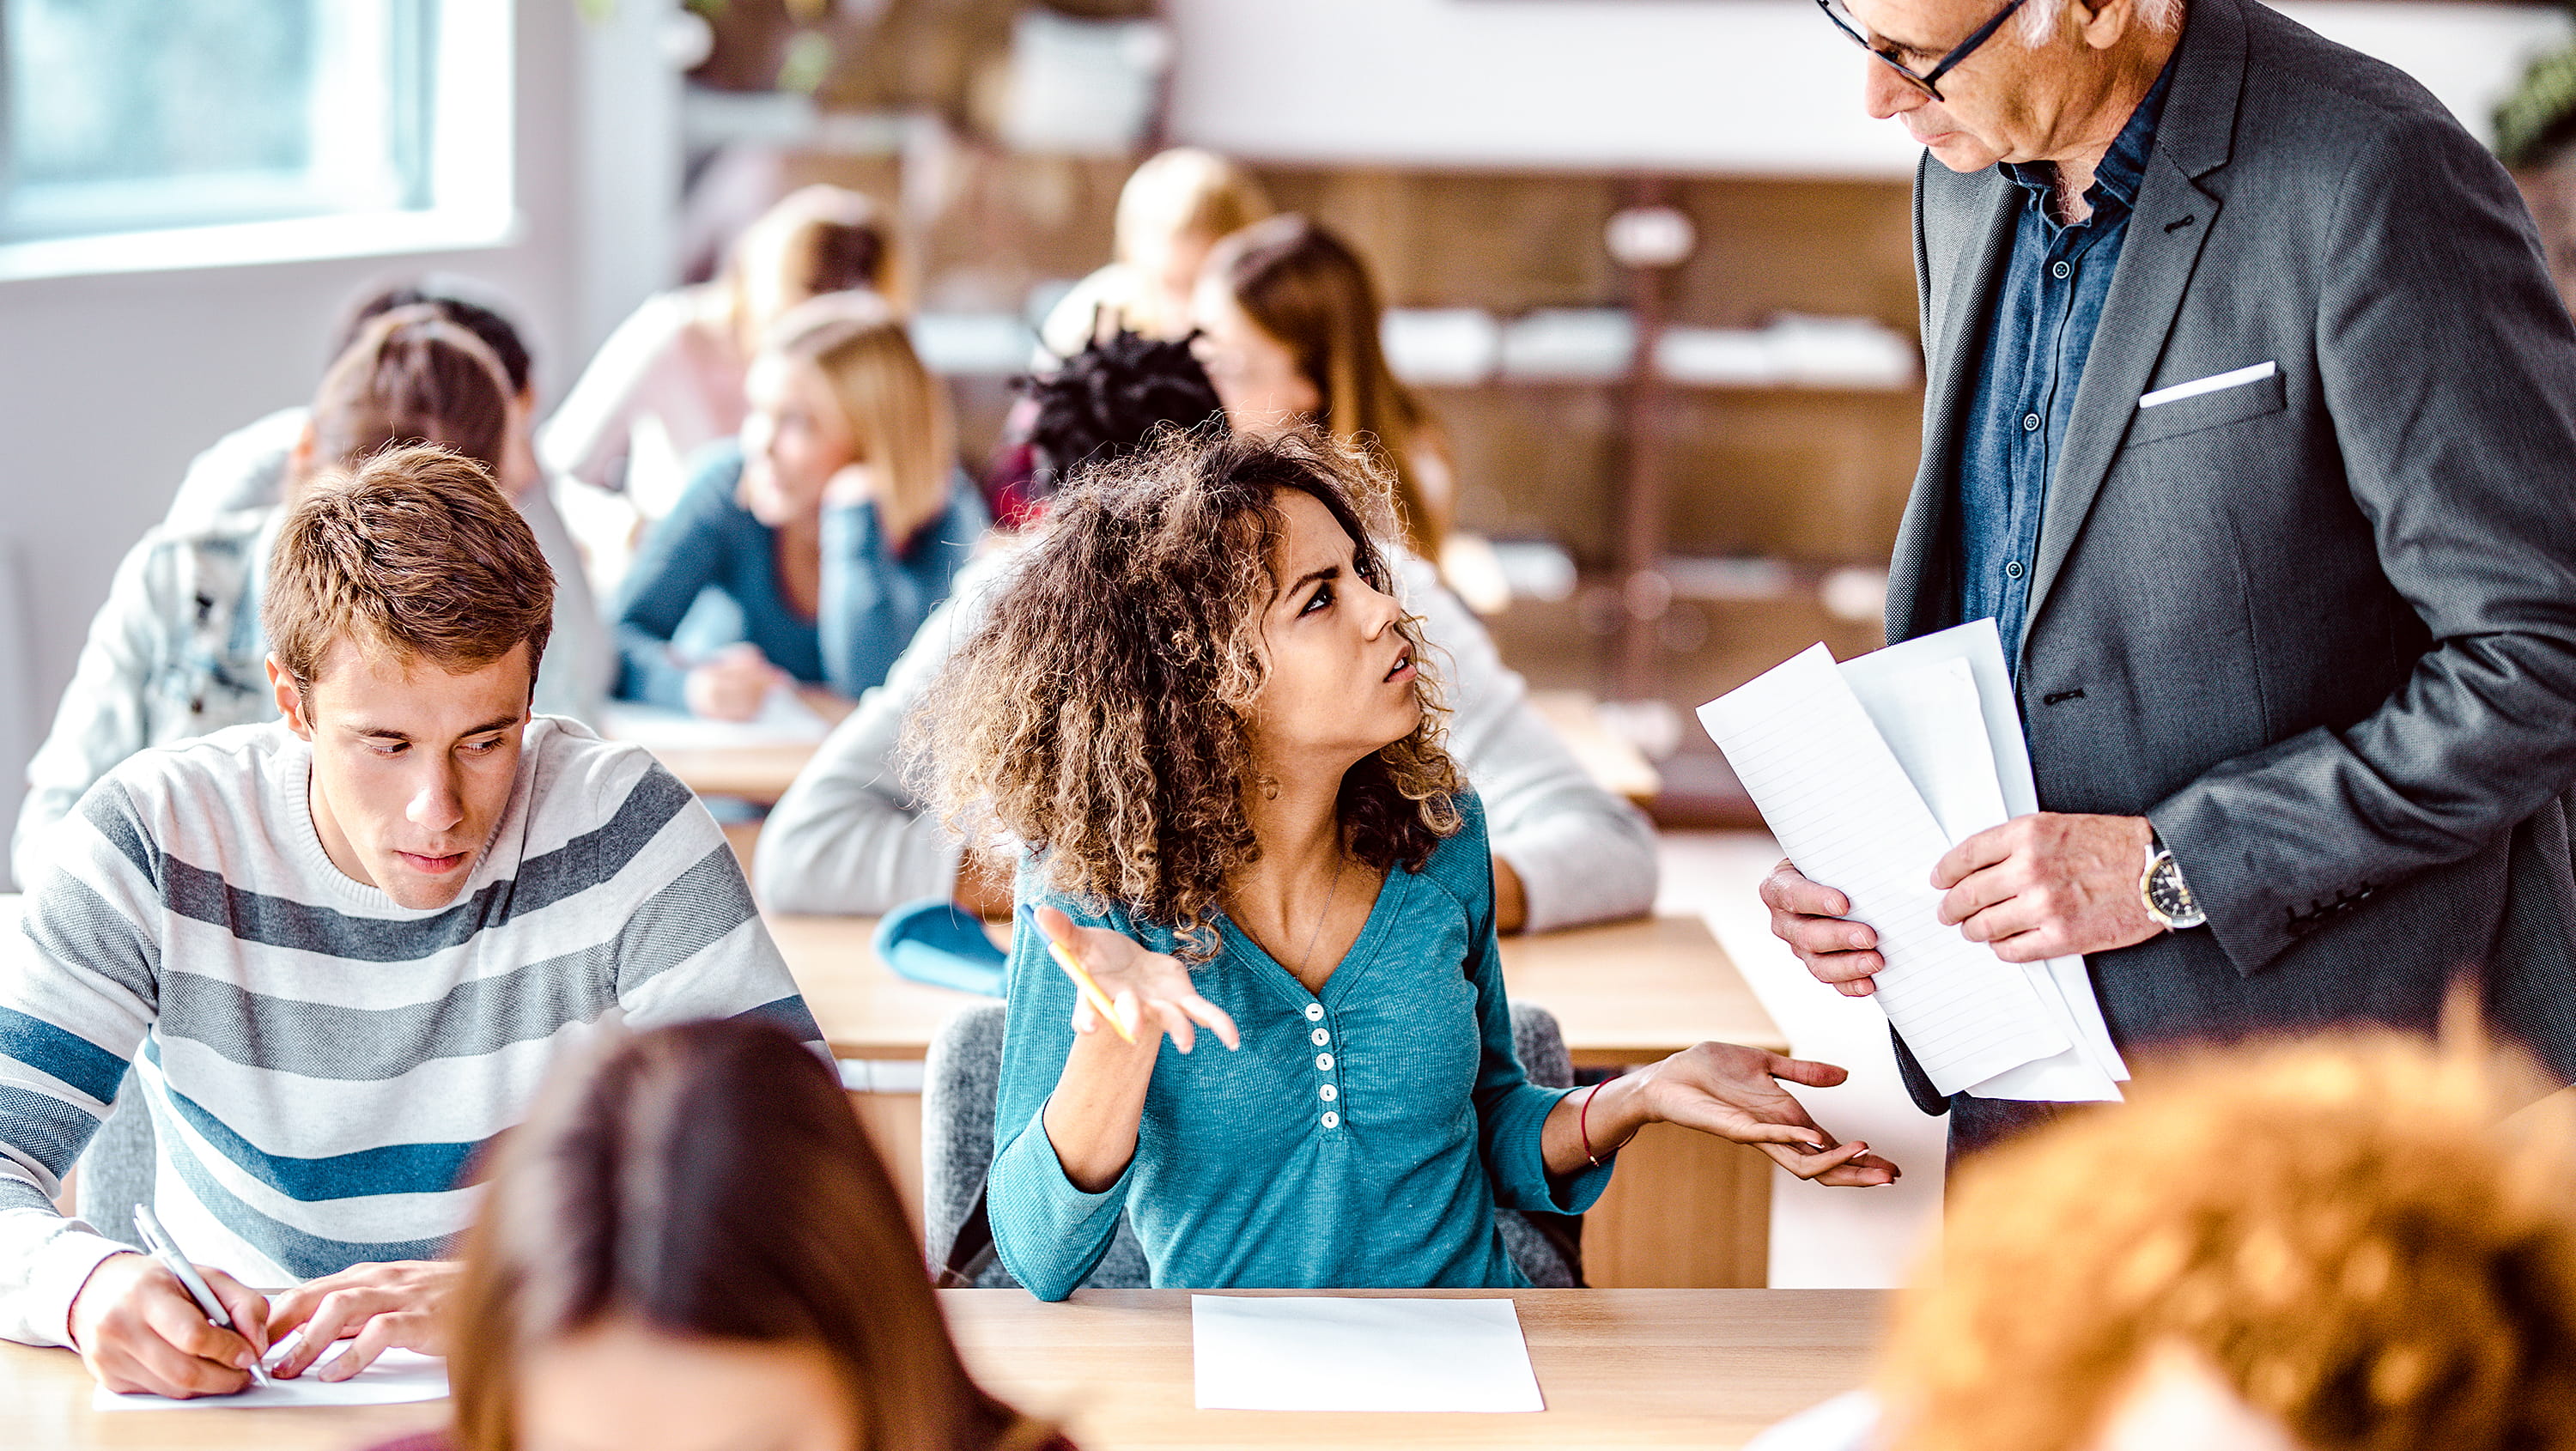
1614 764
1628 992
1684 1209
1702 1368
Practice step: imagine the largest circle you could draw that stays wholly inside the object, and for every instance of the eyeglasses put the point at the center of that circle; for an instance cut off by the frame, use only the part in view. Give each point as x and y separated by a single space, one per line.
1928 82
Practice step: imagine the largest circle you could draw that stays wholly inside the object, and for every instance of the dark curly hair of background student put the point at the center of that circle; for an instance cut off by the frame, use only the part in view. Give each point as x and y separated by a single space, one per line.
1109 398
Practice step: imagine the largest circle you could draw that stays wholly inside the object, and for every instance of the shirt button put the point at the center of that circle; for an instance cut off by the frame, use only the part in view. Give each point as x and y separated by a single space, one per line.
1323 1062
1320 1037
1314 1012
1328 1093
2061 271
2012 569
1332 1120
2029 422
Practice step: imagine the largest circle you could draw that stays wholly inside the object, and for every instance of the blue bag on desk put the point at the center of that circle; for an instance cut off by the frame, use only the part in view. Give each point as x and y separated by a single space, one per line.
933 941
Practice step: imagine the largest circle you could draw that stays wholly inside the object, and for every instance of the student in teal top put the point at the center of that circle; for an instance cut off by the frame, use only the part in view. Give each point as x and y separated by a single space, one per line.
836 523
1199 707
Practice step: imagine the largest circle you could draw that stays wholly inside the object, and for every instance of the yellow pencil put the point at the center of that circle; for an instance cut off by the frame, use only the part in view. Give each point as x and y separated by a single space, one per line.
1082 980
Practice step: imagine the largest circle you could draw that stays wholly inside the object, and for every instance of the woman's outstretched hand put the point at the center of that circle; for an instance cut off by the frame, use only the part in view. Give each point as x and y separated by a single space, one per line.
1728 1090
1144 988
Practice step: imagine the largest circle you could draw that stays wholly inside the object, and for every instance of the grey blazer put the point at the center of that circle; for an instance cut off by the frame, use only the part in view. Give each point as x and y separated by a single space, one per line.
2320 627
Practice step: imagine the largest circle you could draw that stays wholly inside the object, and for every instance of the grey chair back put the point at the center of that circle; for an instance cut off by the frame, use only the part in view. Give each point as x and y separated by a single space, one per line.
961 1083
116 1170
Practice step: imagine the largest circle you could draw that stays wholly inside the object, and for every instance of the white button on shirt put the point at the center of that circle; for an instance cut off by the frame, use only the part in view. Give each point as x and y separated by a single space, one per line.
1328 1093
1332 1120
1314 1012
1320 1037
1323 1062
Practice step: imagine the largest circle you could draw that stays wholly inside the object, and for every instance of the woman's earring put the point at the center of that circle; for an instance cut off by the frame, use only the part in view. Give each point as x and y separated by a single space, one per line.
1269 787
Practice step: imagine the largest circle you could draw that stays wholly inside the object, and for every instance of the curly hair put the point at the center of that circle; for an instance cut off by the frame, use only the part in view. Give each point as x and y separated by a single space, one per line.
2338 1228
1110 397
1102 715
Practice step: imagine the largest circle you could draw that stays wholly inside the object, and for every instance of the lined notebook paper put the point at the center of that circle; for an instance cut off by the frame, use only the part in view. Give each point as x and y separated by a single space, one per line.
1845 812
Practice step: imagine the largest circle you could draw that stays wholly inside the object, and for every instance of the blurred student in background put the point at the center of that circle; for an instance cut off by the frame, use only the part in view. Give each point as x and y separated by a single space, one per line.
251 467
1173 210
690 1244
670 380
179 650
2336 1245
835 523
1288 331
852 836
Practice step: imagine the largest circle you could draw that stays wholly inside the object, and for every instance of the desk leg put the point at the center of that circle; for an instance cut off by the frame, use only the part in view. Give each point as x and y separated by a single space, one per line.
893 1122
1684 1211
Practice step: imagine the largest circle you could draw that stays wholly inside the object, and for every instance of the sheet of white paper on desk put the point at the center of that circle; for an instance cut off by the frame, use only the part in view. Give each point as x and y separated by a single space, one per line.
1912 692
784 720
1337 1353
1843 809
398 1377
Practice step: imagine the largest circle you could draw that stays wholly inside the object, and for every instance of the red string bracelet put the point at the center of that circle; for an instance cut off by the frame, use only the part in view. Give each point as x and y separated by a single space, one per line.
1583 1124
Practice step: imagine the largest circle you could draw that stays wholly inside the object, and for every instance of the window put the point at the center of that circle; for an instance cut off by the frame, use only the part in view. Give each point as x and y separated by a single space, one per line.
126 118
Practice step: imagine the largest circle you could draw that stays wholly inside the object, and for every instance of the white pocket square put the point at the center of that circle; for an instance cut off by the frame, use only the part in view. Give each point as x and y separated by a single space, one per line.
2210 384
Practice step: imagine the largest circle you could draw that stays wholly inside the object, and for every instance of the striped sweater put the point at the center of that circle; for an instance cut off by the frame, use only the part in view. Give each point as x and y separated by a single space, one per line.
322 1065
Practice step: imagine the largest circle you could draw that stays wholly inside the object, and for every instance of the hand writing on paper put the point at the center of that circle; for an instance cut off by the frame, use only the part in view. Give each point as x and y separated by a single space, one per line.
1808 916
138 1330
1147 989
732 683
377 1307
2049 885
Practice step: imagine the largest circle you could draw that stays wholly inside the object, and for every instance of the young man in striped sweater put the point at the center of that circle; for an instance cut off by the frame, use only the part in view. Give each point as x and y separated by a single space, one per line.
341 948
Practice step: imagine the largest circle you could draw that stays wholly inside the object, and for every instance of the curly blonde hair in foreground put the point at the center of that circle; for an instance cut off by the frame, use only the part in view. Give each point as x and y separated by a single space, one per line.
2344 1230
1102 715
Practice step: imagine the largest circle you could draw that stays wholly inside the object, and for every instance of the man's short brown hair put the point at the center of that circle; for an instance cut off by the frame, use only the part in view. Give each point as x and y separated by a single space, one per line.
415 551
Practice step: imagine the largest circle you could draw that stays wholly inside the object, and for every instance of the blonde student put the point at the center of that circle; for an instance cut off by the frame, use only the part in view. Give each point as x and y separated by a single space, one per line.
669 380
1175 207
690 1244
835 523
1202 709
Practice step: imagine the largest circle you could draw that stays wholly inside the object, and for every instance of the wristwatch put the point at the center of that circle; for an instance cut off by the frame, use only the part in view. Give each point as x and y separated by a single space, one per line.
2168 898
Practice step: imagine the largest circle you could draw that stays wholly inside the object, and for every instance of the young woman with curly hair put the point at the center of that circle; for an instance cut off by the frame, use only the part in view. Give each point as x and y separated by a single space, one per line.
1200 706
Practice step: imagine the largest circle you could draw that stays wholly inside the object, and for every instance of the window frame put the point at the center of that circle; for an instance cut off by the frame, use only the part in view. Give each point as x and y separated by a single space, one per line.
470 176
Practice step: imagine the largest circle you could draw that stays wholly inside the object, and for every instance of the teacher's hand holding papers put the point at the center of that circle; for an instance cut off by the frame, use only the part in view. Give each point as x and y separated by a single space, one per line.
2050 885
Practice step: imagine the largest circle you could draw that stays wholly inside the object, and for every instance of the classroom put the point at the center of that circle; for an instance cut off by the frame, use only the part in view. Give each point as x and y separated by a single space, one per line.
1083 725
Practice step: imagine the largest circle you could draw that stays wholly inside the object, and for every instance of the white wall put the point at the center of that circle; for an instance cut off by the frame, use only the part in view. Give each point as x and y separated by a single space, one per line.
1684 85
110 384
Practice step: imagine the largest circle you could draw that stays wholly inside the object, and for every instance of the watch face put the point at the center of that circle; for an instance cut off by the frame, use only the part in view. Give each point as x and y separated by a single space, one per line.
2166 890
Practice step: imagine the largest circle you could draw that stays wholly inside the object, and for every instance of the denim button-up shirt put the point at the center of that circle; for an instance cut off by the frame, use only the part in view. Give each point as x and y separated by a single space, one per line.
2045 315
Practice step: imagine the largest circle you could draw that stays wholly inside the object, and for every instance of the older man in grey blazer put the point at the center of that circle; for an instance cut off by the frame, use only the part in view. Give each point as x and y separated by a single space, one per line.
2252 422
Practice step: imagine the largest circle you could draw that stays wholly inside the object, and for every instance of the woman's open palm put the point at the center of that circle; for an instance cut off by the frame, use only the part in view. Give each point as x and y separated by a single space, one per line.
1143 986
1734 1092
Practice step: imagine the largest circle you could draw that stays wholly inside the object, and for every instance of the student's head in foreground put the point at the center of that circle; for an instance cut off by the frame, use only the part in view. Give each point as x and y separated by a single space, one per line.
837 394
2329 1246
407 607
1198 624
690 1246
408 375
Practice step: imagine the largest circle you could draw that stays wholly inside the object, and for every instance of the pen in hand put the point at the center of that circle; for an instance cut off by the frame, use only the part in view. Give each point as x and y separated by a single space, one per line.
157 1241
1082 981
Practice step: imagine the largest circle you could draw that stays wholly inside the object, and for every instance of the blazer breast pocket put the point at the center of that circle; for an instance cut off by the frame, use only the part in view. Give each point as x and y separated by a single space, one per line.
2225 402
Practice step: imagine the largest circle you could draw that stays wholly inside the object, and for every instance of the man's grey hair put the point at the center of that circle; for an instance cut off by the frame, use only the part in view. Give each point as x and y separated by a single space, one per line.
2037 22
